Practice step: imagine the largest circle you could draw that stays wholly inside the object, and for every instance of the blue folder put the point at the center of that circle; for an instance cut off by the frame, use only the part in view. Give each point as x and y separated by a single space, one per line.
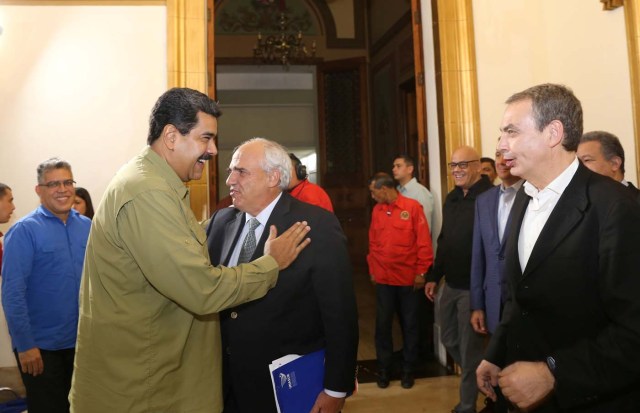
297 383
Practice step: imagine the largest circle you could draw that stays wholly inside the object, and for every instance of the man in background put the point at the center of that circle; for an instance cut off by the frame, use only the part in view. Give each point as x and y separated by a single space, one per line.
6 209
408 186
453 262
603 153
489 168
488 287
570 333
313 305
44 253
400 254
149 334
306 191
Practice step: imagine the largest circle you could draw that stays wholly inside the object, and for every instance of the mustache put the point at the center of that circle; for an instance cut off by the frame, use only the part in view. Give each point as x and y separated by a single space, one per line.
205 157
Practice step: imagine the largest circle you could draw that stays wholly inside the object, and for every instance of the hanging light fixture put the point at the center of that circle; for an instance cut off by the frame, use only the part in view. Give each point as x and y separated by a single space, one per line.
283 47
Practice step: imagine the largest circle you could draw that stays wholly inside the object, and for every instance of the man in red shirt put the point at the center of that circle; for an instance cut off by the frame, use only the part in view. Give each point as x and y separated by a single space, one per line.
306 191
400 253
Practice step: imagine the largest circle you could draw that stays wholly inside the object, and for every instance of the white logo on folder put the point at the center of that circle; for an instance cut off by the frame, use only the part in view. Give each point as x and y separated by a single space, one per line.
288 379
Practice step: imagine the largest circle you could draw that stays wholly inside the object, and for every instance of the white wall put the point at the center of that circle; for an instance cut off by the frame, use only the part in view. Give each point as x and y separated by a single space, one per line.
77 82
521 43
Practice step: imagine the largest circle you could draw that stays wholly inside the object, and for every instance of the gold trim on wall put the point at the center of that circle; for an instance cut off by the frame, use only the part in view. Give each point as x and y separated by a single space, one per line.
459 78
187 67
611 4
632 18
82 2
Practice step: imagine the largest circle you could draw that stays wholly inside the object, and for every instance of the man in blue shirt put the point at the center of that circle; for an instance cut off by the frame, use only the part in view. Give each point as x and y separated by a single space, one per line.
43 258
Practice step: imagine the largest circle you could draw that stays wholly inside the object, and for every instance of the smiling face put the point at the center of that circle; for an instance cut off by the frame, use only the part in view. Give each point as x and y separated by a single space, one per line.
60 199
250 186
6 206
465 177
190 152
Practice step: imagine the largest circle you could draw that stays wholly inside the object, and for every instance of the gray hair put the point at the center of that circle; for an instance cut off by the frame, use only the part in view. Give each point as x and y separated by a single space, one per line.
276 157
551 102
51 164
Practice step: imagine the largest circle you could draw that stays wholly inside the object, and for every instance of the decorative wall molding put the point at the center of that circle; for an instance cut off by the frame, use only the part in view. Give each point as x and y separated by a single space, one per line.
611 4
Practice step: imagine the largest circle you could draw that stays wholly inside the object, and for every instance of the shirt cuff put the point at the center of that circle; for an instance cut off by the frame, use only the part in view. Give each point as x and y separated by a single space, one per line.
336 394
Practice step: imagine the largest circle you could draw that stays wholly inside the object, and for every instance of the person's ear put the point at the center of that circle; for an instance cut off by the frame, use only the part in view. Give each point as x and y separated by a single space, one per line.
169 135
273 178
555 129
616 162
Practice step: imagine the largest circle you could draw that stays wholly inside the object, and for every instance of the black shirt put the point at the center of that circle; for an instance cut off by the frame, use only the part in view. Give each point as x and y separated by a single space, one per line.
453 258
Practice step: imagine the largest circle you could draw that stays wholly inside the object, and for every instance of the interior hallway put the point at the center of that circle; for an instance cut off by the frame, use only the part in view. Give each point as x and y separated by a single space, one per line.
430 394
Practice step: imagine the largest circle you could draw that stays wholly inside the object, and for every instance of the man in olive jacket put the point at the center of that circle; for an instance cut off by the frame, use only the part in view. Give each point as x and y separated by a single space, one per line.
149 335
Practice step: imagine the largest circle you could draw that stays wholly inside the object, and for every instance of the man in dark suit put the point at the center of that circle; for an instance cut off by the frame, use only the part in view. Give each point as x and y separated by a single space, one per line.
603 153
488 287
311 307
570 333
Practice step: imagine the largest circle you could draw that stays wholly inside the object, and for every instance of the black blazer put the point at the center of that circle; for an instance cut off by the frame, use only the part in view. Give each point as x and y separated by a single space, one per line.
578 299
311 307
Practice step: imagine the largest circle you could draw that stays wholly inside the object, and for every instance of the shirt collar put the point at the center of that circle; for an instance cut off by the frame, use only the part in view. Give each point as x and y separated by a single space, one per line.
556 186
513 188
263 216
166 171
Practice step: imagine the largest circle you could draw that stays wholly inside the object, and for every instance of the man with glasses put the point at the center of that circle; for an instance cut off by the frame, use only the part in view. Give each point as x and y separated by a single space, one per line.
453 262
43 258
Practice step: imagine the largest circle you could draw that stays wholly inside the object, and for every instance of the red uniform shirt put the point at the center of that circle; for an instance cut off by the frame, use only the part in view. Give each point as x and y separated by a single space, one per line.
399 242
311 193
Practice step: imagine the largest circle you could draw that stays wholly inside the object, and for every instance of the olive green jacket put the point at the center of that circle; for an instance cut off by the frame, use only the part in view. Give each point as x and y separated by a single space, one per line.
148 336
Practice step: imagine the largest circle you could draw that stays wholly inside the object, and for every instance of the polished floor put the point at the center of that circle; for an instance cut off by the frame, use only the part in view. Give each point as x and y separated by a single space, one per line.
430 395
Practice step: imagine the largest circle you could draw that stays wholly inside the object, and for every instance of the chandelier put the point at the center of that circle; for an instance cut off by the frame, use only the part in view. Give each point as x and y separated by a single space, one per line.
283 47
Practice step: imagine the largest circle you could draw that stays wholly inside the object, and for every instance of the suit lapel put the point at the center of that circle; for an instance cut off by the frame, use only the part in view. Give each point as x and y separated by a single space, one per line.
234 226
493 217
567 213
276 218
516 216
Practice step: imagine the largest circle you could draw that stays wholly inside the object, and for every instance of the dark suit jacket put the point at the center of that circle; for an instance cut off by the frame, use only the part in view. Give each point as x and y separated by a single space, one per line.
487 259
578 299
633 191
311 307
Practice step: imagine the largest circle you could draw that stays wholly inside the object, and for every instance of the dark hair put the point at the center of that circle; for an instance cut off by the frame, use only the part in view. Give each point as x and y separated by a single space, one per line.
179 107
407 160
609 144
490 160
84 194
296 161
381 179
49 165
3 189
551 102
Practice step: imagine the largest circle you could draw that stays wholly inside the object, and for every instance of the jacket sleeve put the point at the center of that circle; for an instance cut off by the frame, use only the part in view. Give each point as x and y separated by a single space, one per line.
478 264
333 286
423 241
169 245
16 270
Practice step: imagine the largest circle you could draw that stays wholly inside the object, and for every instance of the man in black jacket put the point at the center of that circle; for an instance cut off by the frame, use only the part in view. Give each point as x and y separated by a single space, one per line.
453 261
570 332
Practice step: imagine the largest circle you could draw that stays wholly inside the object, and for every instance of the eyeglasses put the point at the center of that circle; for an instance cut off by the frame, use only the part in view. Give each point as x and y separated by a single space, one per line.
67 183
462 164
